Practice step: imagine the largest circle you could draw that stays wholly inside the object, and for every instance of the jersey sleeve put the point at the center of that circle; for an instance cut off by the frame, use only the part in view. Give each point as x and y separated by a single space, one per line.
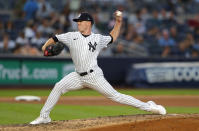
105 40
64 38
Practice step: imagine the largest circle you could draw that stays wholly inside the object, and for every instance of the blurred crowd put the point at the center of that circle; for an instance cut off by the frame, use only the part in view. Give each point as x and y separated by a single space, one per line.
151 28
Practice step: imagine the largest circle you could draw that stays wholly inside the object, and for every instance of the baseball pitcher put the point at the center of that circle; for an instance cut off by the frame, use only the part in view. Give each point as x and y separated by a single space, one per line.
84 46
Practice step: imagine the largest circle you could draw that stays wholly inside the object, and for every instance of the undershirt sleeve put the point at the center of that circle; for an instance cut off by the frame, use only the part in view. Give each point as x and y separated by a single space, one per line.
55 38
111 39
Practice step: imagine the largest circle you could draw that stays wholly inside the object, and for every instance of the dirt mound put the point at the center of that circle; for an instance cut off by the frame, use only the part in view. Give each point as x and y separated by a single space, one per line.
170 122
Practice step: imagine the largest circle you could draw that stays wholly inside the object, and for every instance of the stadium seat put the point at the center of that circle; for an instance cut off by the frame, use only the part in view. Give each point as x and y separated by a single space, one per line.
19 24
4 17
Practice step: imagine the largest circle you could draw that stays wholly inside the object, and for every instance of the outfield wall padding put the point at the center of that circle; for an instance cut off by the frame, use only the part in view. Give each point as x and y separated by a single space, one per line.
16 70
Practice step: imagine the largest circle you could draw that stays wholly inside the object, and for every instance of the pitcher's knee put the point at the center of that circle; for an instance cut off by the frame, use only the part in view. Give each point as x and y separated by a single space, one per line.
58 87
115 97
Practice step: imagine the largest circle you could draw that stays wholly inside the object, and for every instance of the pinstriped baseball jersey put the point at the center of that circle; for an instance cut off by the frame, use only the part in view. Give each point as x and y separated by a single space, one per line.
84 49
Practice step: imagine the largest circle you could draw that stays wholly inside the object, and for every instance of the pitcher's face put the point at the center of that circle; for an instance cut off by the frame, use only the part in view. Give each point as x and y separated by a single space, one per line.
83 25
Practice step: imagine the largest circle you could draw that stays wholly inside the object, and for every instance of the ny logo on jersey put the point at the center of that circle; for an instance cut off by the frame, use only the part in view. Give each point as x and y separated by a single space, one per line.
92 47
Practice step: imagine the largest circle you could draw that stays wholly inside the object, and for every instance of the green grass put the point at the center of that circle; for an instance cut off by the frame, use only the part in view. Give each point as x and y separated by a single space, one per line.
24 113
89 92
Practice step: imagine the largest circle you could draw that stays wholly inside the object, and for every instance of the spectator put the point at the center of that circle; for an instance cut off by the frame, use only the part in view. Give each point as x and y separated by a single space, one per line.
169 21
196 33
166 42
195 52
21 42
54 20
139 22
165 39
9 26
194 23
106 52
44 9
153 21
144 14
151 38
2 30
119 49
64 18
29 30
38 41
163 15
18 9
186 47
137 48
30 9
7 45
27 50
175 35
130 33
21 39
45 28
10 30
23 46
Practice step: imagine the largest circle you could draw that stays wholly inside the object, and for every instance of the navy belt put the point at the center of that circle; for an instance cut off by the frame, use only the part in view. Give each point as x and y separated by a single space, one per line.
85 73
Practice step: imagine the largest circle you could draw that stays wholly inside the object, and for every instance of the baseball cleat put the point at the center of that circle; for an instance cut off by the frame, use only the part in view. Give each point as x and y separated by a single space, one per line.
40 120
156 109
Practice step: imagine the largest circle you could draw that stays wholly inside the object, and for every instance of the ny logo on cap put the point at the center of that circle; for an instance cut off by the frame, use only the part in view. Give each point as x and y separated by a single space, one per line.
78 15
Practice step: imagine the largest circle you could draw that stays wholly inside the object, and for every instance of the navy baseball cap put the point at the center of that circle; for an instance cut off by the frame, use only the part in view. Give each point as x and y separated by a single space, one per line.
84 16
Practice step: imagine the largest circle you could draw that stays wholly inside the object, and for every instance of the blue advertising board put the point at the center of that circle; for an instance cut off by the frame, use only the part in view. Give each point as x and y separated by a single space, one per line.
164 74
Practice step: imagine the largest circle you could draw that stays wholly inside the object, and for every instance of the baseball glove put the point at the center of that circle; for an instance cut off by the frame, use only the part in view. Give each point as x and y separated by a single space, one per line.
53 50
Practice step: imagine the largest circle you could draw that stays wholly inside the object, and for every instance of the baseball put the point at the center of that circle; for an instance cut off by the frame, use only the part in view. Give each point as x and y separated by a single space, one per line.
118 13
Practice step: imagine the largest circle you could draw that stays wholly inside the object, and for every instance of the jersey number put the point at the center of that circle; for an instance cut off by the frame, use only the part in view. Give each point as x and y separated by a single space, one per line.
92 47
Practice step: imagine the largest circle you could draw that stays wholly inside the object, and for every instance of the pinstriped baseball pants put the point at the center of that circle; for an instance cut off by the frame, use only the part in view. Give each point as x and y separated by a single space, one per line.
94 80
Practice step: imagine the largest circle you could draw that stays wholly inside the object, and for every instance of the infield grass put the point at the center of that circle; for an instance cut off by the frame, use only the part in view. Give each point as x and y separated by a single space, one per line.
89 92
18 113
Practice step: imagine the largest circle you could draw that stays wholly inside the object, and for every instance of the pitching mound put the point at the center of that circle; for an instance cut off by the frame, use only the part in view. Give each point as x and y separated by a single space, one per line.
170 122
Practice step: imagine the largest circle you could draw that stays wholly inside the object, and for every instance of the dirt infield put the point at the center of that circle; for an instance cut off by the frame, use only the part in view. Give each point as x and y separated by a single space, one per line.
170 122
185 101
